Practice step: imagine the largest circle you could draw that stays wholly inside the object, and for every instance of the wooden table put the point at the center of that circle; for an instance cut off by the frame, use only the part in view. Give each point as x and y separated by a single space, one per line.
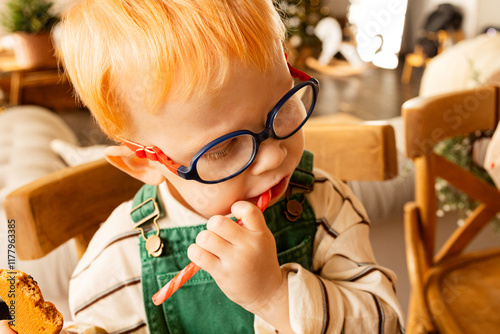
21 77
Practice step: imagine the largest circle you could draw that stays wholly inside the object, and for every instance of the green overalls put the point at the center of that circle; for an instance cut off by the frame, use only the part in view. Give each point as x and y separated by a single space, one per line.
199 306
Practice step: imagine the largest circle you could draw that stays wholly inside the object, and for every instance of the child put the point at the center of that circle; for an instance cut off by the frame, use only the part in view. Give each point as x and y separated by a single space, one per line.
200 96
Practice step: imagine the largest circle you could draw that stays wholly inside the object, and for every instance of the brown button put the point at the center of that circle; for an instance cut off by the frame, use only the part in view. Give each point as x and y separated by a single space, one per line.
294 208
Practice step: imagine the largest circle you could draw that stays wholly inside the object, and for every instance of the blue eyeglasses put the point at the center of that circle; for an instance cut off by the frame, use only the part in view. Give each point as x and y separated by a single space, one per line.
231 154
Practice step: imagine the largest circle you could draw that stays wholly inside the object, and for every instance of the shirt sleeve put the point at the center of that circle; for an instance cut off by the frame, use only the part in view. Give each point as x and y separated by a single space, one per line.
105 293
79 328
347 292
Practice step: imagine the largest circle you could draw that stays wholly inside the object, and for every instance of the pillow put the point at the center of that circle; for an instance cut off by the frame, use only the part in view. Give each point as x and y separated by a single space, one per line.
74 155
466 65
25 155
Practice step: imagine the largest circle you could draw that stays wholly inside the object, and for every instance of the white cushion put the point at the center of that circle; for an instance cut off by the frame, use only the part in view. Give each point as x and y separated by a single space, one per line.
466 65
25 155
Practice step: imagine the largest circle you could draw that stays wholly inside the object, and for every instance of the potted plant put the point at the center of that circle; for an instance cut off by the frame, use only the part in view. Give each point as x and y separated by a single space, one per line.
30 22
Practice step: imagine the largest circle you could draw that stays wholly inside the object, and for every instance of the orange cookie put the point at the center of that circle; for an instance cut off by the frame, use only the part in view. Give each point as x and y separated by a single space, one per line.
30 313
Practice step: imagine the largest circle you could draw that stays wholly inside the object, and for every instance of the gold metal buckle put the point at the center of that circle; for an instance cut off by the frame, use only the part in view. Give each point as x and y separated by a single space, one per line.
154 244
155 214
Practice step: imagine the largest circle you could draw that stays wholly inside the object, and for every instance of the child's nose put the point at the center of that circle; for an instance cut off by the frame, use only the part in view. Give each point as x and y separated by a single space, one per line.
271 154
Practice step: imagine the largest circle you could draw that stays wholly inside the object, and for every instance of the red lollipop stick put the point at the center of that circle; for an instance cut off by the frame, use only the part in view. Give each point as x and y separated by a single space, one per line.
185 274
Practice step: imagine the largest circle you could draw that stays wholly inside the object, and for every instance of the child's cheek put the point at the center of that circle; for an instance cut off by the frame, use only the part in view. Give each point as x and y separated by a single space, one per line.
210 200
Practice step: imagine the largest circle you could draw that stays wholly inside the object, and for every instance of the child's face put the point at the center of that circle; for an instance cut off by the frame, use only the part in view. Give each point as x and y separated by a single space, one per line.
180 129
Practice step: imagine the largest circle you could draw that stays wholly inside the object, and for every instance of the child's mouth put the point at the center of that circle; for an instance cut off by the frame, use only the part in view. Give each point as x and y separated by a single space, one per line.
276 191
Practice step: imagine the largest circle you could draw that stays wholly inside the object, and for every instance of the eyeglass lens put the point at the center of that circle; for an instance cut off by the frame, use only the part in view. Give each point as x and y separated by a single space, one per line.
231 156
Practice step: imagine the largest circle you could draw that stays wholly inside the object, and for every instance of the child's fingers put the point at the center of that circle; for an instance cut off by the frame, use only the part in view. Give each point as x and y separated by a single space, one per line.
491 156
493 150
493 169
202 258
226 228
4 327
213 243
250 216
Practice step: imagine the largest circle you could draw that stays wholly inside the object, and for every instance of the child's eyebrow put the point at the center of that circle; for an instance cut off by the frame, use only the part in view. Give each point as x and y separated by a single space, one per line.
188 153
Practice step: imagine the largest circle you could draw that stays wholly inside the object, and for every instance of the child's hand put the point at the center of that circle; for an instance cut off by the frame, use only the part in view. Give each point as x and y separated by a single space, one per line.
492 160
4 328
242 259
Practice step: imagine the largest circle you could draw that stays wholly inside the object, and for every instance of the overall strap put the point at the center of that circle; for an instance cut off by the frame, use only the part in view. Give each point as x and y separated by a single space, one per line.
144 203
292 219
147 209
301 182
303 176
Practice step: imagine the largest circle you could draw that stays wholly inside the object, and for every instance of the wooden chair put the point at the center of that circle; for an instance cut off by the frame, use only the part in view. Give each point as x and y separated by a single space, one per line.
69 203
63 205
47 87
452 291
354 151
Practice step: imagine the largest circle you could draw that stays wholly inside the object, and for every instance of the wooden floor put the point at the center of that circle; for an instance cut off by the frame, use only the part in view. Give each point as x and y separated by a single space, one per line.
373 95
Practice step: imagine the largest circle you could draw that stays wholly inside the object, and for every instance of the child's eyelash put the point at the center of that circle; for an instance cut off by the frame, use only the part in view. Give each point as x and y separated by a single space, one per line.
221 153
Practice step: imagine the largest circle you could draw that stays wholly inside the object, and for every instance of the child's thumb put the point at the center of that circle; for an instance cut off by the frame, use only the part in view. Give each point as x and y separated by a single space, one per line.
4 327
493 169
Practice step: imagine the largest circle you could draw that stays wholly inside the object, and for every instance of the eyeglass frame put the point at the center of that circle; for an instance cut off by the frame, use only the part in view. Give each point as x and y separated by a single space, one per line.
190 172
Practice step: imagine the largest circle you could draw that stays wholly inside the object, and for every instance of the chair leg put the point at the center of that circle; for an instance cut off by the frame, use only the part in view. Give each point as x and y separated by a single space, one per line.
406 76
15 87
418 321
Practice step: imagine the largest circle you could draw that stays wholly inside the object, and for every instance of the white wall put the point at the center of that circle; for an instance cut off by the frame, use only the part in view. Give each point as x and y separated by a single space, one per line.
488 14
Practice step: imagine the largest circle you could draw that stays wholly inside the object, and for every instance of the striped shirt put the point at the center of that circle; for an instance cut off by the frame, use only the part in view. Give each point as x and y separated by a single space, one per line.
346 292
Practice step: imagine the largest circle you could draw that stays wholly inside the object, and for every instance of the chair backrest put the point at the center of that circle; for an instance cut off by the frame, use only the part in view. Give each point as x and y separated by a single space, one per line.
428 121
73 202
69 203
361 152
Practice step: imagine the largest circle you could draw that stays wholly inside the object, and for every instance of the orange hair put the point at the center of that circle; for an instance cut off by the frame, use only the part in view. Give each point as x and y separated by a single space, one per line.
124 56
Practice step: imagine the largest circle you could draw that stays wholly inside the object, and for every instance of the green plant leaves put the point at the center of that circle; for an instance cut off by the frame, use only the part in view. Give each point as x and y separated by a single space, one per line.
30 16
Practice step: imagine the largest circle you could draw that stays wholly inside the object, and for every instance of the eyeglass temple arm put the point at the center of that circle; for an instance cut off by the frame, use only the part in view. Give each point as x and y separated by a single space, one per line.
297 74
152 153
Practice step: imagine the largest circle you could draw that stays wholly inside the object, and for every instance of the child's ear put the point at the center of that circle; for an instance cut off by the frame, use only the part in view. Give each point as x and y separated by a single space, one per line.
122 158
